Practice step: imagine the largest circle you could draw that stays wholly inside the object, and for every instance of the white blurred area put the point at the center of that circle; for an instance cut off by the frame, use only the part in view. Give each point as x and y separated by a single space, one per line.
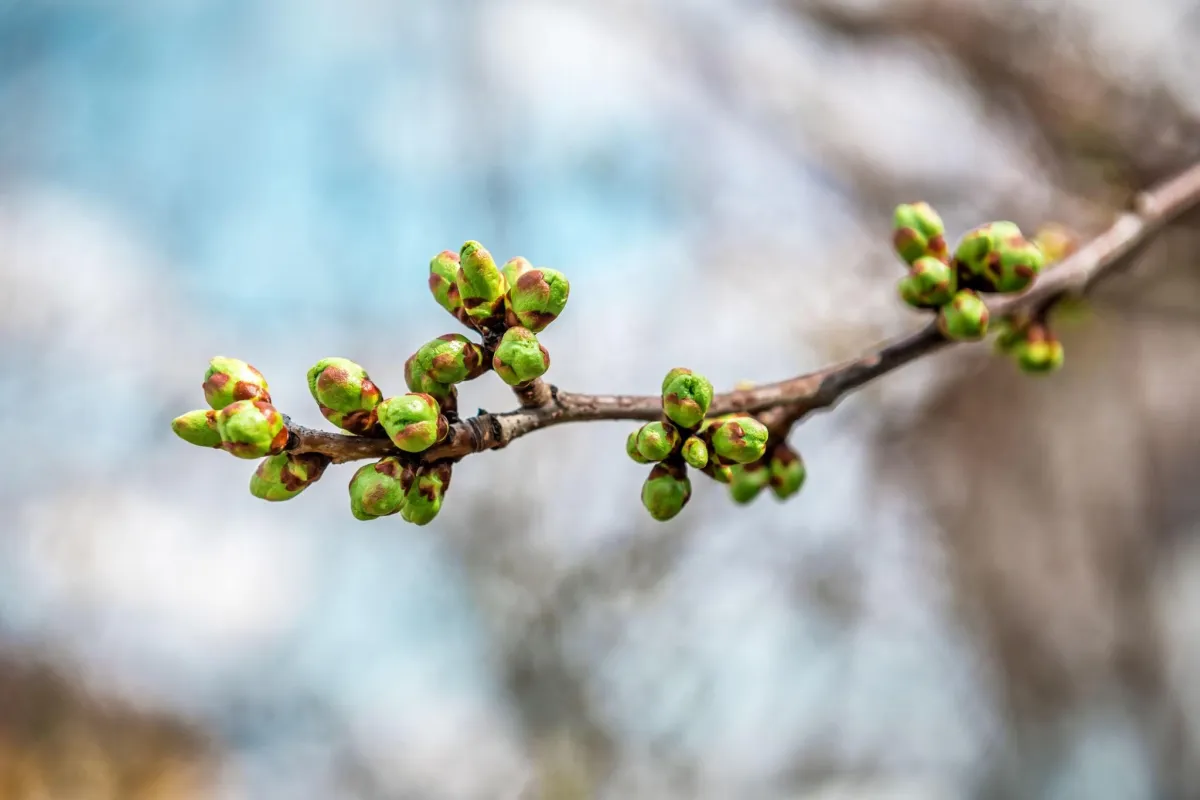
715 178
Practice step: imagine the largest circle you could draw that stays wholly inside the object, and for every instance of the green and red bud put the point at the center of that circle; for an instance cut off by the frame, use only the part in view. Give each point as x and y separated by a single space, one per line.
514 268
283 476
413 422
228 380
345 394
965 318
930 283
917 231
686 397
379 489
1038 351
520 358
786 471
251 429
443 284
748 480
978 254
535 298
481 285
1017 263
721 473
449 359
695 452
657 440
424 497
1055 241
738 438
666 491
631 448
198 427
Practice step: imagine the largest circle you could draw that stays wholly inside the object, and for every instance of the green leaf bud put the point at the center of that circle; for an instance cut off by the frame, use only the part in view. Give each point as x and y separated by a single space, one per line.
748 480
379 489
443 283
1009 331
978 254
695 452
251 429
229 380
536 298
657 440
738 438
930 283
449 359
423 500
519 357
413 422
965 318
686 397
283 476
1019 262
345 394
666 491
480 284
1055 242
786 471
917 231
198 428
631 448
514 268
1038 351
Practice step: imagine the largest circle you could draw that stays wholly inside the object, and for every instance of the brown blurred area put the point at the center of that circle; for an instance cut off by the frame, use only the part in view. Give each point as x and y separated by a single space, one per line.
58 740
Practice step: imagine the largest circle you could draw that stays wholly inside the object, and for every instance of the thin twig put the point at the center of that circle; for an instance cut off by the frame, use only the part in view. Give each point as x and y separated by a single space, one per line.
781 404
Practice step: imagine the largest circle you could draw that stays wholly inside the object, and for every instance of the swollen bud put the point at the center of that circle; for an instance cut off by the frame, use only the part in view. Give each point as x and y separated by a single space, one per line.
229 380
738 438
443 283
513 269
519 357
686 397
978 254
695 452
283 476
631 448
480 284
1038 351
748 480
1017 264
198 428
786 471
251 429
666 491
1055 242
536 298
917 231
424 497
965 318
448 359
721 473
378 490
930 283
413 422
344 394
657 440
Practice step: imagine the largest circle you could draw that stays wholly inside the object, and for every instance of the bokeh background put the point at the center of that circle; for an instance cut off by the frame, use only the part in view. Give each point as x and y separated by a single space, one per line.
988 588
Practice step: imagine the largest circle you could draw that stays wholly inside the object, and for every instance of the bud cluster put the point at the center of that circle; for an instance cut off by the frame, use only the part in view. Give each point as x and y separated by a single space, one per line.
992 258
1031 344
508 304
242 420
390 486
723 448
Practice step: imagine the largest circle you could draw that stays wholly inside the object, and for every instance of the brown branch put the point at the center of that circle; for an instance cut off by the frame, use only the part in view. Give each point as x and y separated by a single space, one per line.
781 404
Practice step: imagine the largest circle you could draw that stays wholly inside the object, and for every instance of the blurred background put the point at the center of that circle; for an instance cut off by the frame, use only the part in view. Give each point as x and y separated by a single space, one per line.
989 587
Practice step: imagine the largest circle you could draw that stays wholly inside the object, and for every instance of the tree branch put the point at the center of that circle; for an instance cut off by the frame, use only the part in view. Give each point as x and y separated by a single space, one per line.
780 405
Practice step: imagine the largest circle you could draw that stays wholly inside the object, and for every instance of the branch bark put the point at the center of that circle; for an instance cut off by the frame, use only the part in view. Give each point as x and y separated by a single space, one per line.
781 404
